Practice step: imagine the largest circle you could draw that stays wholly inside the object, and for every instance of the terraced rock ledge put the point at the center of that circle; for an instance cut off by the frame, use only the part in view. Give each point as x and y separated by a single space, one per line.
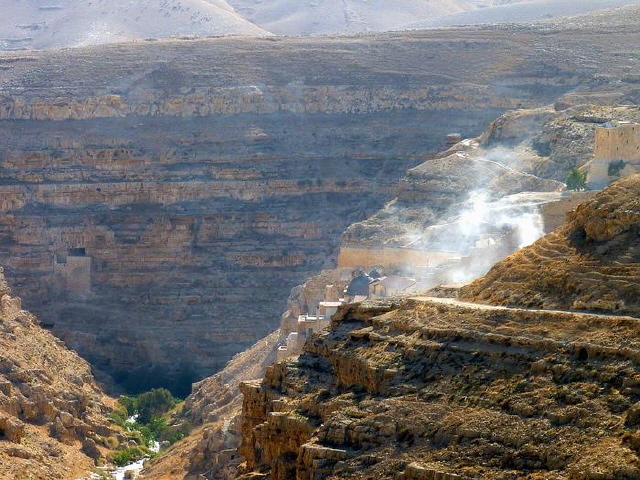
425 388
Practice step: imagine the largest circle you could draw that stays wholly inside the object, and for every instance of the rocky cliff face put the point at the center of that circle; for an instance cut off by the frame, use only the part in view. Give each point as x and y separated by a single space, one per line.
53 416
427 387
160 199
158 250
522 150
433 389
211 449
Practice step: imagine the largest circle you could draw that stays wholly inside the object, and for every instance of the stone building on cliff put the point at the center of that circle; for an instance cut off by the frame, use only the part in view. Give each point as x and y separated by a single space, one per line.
616 153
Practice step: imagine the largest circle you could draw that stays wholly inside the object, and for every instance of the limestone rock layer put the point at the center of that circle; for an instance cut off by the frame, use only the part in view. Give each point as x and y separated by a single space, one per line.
158 200
432 388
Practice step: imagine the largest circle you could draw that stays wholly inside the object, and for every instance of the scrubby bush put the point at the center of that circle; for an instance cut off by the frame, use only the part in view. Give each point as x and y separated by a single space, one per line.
615 168
149 425
576 180
128 455
154 403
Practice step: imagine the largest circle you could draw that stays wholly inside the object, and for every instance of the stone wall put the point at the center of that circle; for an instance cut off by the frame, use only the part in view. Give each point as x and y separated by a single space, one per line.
391 257
554 214
616 154
619 142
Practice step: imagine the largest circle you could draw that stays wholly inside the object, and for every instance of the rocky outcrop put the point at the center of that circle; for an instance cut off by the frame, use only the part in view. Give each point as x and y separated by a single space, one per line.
590 263
51 410
521 150
159 200
432 388
213 409
141 200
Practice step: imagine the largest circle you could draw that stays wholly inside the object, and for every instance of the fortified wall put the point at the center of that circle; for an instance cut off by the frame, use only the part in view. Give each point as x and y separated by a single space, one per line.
619 142
616 154
390 257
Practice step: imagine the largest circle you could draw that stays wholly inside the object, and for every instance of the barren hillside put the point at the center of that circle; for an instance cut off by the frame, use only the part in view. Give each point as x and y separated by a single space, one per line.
53 417
590 263
28 25
70 23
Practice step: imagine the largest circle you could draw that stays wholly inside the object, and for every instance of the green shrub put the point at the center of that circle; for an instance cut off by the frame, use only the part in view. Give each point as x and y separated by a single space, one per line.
128 455
615 168
150 425
130 403
576 180
155 402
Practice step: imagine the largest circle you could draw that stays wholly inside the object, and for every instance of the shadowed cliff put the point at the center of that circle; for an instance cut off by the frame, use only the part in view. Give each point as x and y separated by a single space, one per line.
159 200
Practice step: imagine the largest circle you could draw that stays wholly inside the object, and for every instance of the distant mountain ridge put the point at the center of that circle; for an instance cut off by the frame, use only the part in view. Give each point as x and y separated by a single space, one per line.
68 23
41 25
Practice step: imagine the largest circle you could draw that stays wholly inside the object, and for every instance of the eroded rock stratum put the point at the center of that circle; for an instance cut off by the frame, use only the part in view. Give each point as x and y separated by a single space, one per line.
159 200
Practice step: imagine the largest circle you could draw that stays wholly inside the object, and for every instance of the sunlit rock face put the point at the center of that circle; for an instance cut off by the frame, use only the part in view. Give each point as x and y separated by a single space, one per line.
53 415
438 389
444 388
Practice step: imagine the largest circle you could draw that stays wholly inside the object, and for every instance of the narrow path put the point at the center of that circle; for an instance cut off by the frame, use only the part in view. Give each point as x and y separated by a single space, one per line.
483 306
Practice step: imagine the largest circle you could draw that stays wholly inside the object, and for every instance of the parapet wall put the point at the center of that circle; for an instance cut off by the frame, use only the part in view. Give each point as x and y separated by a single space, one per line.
554 214
390 257
619 143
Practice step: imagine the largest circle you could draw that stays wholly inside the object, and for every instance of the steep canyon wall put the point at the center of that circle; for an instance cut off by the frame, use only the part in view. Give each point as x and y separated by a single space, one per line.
159 200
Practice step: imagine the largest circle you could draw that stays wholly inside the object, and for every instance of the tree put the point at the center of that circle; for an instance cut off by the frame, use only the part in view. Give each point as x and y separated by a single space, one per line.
576 180
154 403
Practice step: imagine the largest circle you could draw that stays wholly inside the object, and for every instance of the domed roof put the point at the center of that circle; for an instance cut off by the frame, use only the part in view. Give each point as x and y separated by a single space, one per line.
359 285
375 273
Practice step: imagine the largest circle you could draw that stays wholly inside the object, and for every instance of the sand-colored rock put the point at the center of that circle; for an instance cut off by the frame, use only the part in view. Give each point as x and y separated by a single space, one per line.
193 172
438 389
50 406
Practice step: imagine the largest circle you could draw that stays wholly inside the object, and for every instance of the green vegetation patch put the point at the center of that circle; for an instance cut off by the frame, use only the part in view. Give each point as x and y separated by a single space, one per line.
576 180
145 418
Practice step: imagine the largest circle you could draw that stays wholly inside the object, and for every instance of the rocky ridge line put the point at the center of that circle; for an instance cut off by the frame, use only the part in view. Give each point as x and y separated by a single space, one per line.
437 388
590 263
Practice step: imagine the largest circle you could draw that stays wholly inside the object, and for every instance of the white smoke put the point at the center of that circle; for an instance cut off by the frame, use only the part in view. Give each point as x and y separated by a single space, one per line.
484 232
